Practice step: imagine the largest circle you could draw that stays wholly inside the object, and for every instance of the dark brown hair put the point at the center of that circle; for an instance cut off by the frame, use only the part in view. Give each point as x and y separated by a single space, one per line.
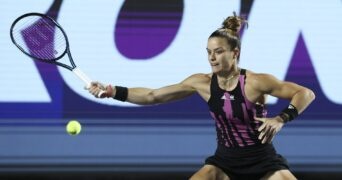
230 31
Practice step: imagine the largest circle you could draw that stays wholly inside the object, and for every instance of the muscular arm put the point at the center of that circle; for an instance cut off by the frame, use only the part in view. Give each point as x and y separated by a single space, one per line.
145 96
165 94
298 96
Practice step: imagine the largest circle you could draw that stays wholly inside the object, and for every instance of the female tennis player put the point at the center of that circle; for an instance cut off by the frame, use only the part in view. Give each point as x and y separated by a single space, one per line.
236 98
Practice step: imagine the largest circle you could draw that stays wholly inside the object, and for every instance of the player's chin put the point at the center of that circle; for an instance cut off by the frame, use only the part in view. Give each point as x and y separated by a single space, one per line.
215 69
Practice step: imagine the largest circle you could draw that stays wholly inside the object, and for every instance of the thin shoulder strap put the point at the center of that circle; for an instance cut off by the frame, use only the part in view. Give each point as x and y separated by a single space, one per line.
213 83
243 71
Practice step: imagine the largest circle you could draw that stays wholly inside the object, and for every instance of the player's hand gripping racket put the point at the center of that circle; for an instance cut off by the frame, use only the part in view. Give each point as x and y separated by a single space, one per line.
42 38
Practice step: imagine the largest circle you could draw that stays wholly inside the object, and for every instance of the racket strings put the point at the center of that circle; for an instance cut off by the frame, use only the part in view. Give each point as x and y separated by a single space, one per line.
39 37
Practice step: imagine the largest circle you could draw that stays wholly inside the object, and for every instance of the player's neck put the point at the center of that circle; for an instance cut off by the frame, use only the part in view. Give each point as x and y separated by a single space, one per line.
229 75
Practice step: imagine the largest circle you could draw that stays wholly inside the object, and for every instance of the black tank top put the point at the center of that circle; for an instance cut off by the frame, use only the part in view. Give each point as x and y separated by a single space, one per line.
234 114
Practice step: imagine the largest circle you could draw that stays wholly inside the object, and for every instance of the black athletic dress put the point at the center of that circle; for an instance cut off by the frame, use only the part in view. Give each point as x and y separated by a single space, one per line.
239 152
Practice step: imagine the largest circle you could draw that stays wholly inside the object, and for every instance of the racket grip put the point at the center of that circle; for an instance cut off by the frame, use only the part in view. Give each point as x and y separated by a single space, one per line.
82 76
86 80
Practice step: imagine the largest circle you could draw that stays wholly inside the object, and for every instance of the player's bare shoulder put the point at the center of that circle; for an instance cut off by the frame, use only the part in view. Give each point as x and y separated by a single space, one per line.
198 79
254 87
260 81
200 82
202 77
254 75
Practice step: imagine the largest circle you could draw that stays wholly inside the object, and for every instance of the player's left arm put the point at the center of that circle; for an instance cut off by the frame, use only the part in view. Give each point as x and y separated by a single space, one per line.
300 97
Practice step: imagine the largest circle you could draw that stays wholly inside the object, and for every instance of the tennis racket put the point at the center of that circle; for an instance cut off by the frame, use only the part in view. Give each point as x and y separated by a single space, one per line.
42 38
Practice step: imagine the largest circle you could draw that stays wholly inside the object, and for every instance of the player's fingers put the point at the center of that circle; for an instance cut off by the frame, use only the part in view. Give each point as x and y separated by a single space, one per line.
268 135
259 119
263 125
95 88
94 91
265 134
100 85
88 87
262 134
97 84
102 95
265 140
272 135
99 92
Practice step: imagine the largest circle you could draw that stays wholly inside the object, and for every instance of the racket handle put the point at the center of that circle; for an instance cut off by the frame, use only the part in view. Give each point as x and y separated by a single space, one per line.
82 76
86 80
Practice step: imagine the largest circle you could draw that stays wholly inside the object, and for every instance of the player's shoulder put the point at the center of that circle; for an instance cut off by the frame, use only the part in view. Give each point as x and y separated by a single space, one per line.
199 78
261 81
258 76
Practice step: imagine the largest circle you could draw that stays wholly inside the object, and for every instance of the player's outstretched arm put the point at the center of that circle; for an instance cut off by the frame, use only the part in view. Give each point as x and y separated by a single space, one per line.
162 95
147 96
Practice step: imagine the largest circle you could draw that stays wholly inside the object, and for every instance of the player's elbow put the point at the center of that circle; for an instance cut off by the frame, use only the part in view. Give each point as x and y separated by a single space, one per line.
312 95
309 94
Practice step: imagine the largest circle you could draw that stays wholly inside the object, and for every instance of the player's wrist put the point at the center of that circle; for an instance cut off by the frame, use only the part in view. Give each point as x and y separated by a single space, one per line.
289 113
120 93
109 91
282 117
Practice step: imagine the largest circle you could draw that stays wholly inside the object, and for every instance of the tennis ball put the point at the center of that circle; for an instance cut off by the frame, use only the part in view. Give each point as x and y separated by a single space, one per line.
73 127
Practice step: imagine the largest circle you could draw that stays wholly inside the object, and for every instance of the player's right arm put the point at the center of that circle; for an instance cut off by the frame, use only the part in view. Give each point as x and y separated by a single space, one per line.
148 96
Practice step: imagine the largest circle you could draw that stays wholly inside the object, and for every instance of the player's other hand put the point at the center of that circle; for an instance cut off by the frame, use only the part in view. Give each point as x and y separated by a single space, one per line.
269 128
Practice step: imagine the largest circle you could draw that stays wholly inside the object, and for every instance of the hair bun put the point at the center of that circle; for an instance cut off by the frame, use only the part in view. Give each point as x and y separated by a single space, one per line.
233 23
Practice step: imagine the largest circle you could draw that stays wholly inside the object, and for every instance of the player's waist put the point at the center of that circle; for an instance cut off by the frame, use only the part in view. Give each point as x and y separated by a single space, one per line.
245 151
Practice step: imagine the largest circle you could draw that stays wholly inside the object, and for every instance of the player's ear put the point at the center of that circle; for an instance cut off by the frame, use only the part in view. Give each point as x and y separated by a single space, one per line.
236 52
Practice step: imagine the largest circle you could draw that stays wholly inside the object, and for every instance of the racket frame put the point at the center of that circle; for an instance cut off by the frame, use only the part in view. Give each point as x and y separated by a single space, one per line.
51 61
77 71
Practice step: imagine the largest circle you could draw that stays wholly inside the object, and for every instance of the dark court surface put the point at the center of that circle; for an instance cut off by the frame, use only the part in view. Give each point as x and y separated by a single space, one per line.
143 176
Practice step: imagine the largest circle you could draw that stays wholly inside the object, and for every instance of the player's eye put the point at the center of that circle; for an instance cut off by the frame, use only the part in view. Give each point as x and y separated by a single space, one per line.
219 51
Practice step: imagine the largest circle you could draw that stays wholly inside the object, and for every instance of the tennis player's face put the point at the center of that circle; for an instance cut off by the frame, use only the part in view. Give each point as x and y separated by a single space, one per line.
221 58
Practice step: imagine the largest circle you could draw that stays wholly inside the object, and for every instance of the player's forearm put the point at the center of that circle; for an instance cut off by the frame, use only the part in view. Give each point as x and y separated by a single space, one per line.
302 99
146 96
141 96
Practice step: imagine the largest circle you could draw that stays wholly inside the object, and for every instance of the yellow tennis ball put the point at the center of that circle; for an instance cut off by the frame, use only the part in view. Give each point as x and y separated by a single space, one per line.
73 127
